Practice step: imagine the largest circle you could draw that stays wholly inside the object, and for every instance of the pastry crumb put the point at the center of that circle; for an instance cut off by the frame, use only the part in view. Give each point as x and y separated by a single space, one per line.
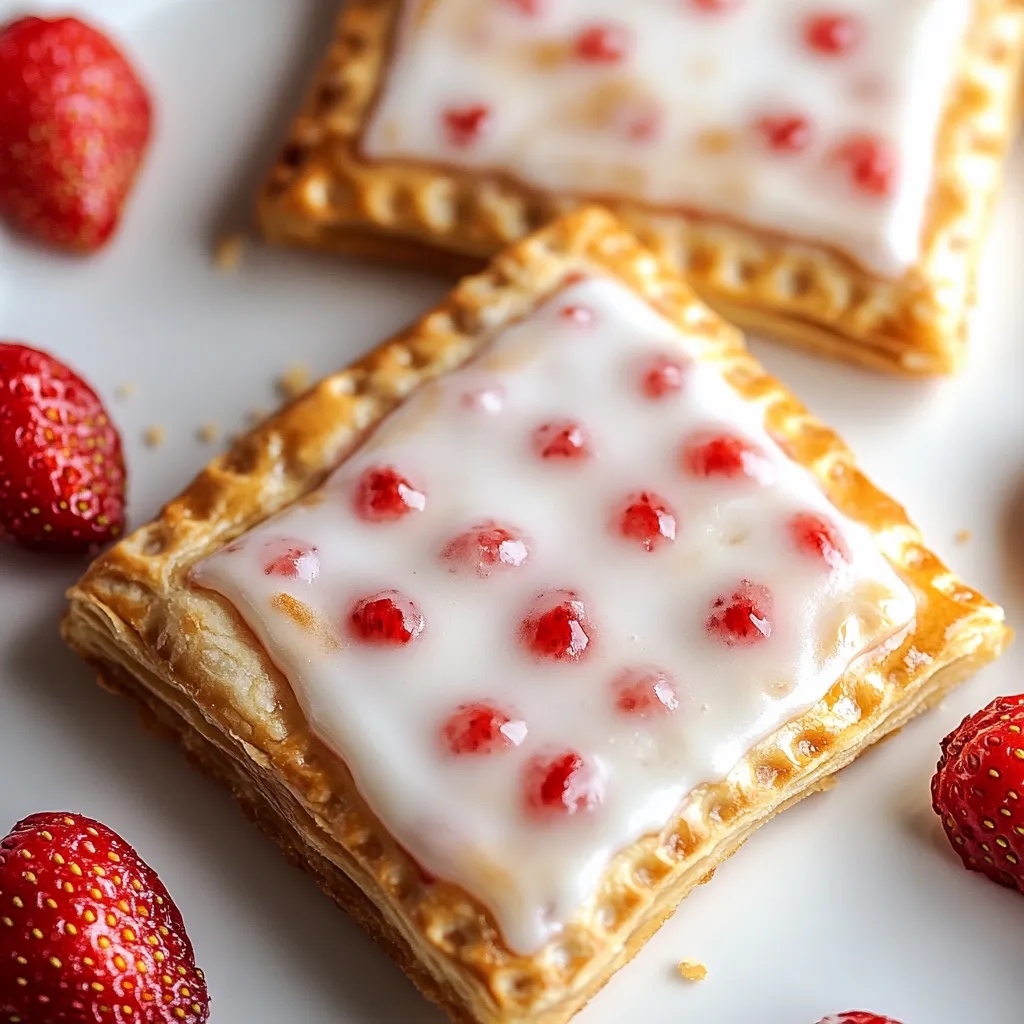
962 536
207 433
716 140
228 254
693 970
254 417
294 381
154 436
125 390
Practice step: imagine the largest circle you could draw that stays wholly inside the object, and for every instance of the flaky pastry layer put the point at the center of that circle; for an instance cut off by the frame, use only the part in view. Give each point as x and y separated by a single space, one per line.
324 192
186 655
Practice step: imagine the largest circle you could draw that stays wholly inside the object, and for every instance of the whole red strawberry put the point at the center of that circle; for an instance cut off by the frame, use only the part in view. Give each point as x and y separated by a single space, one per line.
88 932
74 124
61 468
856 1017
978 788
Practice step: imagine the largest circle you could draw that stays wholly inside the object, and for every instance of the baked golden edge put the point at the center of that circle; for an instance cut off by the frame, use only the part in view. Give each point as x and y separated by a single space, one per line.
186 655
322 193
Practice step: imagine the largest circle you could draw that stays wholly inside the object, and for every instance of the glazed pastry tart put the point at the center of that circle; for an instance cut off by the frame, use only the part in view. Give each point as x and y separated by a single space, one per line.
822 173
514 629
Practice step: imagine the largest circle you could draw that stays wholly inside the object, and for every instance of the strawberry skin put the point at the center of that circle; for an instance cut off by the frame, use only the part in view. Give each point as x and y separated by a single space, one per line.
88 933
978 788
857 1017
74 125
61 469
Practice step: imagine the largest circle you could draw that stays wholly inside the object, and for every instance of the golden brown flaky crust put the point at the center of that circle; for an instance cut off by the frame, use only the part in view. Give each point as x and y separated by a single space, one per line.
325 193
185 654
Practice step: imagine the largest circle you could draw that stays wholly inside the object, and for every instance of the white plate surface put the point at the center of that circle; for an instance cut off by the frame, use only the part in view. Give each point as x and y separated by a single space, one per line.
849 900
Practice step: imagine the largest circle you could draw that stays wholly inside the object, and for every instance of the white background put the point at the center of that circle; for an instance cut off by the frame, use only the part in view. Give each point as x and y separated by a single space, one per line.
849 900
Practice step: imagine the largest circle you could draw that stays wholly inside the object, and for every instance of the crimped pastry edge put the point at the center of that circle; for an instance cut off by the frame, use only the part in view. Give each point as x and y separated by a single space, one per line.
134 608
324 193
306 846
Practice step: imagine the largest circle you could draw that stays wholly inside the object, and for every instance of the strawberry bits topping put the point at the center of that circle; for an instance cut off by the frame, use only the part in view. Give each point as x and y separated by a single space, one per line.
817 537
645 691
786 133
743 618
481 728
579 315
484 549
489 401
871 163
603 44
639 119
714 6
384 495
561 785
725 455
292 560
531 8
557 627
562 440
388 619
662 377
647 520
661 105
582 622
463 126
833 35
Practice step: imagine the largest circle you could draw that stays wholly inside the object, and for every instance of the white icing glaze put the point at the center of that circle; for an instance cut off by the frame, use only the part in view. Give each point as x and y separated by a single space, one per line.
381 708
563 124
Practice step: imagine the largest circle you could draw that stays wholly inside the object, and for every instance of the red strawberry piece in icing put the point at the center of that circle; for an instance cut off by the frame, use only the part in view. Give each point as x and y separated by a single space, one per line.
564 440
481 728
742 618
486 400
643 126
463 126
603 44
645 692
557 627
562 784
786 133
871 163
819 538
638 119
291 559
833 35
576 314
388 619
663 376
531 8
486 548
646 519
384 495
708 454
714 6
